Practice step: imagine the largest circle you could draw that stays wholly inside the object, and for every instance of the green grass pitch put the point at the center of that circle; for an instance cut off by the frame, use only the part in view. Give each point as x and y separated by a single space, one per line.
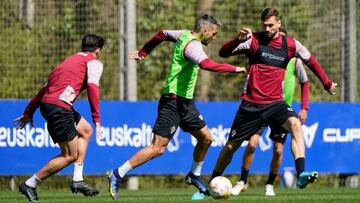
317 195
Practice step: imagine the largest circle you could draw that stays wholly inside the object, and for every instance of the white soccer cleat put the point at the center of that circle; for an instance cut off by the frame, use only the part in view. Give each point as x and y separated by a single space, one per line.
269 190
239 187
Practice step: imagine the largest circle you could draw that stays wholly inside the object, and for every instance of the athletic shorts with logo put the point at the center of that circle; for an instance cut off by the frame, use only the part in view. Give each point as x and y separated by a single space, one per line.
250 117
174 112
279 135
61 122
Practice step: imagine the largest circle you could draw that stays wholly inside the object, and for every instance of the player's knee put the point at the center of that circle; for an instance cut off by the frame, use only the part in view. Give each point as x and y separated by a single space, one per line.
230 148
87 131
207 140
158 150
252 147
278 152
72 157
295 124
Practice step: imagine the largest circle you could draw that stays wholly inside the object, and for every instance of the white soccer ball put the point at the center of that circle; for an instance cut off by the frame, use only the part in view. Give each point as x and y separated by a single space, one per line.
220 187
288 179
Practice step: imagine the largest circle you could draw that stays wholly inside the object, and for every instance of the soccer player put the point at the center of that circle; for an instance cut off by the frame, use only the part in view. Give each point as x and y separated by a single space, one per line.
66 126
263 102
294 69
176 105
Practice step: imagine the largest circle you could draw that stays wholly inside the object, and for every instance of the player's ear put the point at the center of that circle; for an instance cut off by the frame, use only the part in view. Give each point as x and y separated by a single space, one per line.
97 52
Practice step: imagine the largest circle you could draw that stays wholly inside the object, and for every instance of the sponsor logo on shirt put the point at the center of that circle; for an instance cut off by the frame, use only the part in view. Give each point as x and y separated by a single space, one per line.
272 56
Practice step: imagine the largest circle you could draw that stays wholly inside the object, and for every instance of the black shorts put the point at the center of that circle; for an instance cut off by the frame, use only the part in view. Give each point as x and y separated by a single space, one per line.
61 122
177 112
276 135
250 117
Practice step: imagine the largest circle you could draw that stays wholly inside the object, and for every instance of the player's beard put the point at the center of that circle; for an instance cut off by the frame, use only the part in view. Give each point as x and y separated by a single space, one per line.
205 42
271 35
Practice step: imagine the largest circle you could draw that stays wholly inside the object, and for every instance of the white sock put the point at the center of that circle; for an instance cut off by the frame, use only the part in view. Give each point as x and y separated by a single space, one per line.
78 172
124 169
196 168
33 181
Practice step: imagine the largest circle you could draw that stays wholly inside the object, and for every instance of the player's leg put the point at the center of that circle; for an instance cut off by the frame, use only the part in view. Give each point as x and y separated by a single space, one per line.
284 116
68 155
274 168
78 184
248 156
225 157
165 127
204 140
192 121
293 125
62 130
248 120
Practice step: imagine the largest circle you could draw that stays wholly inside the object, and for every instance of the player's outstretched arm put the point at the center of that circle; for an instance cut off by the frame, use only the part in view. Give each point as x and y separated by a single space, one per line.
30 110
20 122
310 60
211 65
136 56
239 45
332 88
158 38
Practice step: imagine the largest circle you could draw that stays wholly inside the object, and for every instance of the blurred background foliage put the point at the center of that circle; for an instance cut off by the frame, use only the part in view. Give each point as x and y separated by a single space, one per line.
27 55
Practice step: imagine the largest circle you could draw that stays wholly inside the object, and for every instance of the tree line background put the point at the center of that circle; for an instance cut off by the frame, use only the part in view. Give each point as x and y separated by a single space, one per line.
29 53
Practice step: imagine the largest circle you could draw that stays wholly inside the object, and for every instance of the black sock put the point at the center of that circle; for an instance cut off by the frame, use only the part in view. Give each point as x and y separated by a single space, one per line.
271 179
116 174
300 165
244 175
214 174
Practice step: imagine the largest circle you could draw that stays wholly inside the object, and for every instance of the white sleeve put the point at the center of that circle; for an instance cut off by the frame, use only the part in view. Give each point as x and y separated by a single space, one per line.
301 51
300 71
194 52
173 34
243 46
94 71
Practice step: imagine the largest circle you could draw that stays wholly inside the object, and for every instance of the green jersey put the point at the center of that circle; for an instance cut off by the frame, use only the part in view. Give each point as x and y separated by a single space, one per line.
183 72
289 81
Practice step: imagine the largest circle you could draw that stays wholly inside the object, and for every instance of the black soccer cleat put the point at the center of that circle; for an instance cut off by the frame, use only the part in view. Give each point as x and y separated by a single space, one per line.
197 182
29 192
84 188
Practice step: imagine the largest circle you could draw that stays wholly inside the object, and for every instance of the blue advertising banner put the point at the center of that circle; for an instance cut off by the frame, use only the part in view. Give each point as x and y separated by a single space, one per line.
331 134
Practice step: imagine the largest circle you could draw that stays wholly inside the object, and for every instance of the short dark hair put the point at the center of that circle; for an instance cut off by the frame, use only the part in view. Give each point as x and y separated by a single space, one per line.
91 42
268 13
206 19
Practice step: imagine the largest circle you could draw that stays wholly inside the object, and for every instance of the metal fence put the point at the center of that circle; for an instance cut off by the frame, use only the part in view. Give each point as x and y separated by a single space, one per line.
37 35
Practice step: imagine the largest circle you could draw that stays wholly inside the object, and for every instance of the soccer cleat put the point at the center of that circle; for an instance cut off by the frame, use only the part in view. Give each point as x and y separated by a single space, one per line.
198 196
84 188
269 190
238 188
197 182
114 184
305 178
29 192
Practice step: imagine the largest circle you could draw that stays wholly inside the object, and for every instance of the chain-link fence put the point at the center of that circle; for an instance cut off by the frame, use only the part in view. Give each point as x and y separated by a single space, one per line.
34 42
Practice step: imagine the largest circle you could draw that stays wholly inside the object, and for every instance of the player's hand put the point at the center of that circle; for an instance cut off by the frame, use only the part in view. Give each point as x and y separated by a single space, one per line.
98 130
332 88
135 55
302 116
22 121
244 34
241 70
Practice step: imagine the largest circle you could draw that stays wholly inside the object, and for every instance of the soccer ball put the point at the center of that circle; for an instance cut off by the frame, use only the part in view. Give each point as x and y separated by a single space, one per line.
220 187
